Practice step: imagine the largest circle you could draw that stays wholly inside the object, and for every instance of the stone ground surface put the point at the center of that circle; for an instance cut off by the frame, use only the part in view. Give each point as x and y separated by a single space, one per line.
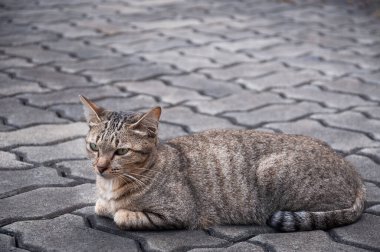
299 67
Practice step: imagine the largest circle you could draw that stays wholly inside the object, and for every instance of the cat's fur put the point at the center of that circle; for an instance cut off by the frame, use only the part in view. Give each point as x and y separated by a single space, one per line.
216 177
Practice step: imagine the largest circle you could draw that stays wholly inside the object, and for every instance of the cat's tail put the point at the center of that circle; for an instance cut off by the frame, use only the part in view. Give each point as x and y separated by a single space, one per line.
301 221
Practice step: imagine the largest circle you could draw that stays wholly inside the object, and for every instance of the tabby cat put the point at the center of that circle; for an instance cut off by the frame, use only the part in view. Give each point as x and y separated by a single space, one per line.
216 177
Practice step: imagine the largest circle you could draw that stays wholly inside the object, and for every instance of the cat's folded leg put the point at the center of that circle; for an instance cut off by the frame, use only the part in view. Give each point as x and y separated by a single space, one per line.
102 209
126 219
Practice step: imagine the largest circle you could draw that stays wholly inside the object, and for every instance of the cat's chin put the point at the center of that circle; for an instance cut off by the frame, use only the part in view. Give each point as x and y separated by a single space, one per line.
105 176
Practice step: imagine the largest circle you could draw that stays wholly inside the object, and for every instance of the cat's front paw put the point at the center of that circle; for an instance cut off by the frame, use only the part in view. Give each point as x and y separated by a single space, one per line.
121 218
101 208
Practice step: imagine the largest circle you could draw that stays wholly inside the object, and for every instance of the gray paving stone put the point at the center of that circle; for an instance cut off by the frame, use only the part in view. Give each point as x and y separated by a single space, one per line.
195 122
373 210
52 79
316 241
67 30
78 168
241 71
238 233
68 233
354 86
8 244
20 180
280 80
131 73
333 100
168 131
10 161
149 45
357 233
353 121
286 50
37 134
219 56
373 193
166 24
339 139
366 167
369 77
169 94
170 240
277 113
36 54
103 63
372 111
20 115
187 63
124 38
72 95
44 202
85 211
10 86
189 34
74 149
206 86
250 43
23 39
372 152
14 62
241 101
239 247
335 69
77 48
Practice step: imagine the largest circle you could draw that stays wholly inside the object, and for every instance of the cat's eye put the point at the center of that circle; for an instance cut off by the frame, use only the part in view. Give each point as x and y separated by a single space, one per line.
94 147
121 151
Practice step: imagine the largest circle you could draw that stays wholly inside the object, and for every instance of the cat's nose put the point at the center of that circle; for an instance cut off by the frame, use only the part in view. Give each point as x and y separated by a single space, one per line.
101 169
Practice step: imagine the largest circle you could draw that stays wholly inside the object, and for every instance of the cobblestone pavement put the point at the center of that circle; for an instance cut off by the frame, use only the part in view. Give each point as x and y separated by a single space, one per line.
305 68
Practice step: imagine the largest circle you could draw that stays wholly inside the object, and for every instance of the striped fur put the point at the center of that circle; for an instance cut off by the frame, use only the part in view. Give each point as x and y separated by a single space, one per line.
287 221
216 177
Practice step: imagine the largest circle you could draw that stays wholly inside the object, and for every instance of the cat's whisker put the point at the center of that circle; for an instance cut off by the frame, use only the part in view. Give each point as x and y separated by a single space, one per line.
136 179
136 174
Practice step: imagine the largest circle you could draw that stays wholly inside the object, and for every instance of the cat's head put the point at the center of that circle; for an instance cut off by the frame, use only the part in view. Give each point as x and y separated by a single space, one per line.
121 144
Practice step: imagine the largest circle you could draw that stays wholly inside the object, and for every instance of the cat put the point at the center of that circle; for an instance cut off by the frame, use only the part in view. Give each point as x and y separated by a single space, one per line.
216 177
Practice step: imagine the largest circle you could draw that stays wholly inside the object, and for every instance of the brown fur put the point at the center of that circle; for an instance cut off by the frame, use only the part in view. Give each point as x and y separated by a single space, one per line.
217 177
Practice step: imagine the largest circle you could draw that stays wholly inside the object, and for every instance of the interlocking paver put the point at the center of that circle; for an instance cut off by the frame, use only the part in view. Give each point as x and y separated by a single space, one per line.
78 168
237 102
7 243
281 79
279 112
158 89
49 78
306 67
45 201
21 115
367 168
332 136
353 86
241 247
10 161
68 233
162 240
131 73
36 54
73 149
316 241
37 134
238 233
29 179
357 234
333 100
10 86
204 85
69 96
195 122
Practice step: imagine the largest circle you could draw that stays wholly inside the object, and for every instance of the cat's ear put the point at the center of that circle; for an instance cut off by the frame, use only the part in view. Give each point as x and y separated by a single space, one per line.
93 112
148 123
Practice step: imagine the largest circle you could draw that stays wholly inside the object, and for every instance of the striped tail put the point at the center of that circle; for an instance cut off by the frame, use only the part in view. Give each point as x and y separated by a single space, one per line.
302 221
